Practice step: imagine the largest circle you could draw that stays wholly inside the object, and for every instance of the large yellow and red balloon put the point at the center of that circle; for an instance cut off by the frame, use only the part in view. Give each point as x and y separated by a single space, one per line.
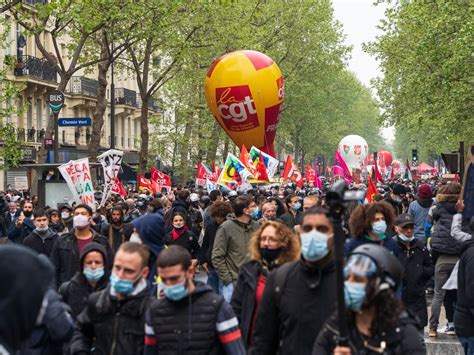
245 92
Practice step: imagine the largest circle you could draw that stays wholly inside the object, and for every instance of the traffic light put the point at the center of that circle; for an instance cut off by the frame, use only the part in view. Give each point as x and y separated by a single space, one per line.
414 155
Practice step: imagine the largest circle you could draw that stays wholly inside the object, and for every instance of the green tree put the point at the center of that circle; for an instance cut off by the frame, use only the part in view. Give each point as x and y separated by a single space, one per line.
426 60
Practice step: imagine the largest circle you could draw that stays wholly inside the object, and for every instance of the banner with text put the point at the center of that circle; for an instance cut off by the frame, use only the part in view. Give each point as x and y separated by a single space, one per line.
78 178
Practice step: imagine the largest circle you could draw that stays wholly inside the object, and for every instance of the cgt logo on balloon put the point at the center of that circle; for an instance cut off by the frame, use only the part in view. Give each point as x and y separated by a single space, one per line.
237 108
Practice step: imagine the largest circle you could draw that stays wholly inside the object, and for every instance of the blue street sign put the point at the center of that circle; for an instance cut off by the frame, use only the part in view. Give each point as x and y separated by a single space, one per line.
74 122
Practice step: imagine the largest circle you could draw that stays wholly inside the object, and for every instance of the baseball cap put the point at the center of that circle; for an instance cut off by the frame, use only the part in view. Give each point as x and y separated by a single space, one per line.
404 219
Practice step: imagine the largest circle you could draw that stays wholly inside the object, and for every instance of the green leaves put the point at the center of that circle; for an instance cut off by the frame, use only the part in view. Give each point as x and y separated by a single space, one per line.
426 58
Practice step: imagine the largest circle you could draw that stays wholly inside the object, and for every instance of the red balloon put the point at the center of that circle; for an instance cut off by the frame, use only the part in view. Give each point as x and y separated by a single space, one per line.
385 158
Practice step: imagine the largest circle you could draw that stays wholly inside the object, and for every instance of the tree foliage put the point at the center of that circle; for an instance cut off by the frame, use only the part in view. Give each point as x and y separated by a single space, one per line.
426 60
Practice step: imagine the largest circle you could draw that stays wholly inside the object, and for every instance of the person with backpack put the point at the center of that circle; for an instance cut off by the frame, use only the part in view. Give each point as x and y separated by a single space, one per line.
271 246
299 296
376 321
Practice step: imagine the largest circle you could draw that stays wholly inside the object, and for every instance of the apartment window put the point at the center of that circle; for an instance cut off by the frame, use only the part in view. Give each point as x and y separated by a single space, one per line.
39 114
29 115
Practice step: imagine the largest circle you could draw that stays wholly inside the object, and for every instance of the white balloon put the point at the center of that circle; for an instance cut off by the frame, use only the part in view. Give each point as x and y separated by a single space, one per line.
353 149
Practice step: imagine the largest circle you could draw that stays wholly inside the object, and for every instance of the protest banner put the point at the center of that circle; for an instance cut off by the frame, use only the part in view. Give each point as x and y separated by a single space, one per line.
78 178
111 161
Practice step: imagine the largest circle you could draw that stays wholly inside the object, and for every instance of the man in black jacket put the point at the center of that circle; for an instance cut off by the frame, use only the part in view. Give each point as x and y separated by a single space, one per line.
22 225
417 267
69 246
113 321
301 295
42 238
464 314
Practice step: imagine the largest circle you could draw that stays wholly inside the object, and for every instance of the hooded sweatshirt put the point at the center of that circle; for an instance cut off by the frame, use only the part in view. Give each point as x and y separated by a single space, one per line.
26 276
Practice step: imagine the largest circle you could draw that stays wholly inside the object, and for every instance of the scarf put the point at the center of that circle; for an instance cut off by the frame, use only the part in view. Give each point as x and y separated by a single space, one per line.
175 233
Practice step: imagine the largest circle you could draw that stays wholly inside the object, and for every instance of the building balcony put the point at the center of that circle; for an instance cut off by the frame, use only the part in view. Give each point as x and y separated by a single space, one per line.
152 104
34 2
125 96
30 135
80 85
37 68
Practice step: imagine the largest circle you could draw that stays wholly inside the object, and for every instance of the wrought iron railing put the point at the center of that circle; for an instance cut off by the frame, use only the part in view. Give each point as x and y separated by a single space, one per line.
125 96
80 85
28 65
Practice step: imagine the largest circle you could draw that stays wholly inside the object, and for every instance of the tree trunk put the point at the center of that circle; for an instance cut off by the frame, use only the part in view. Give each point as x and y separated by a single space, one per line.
98 121
184 151
144 135
226 149
214 143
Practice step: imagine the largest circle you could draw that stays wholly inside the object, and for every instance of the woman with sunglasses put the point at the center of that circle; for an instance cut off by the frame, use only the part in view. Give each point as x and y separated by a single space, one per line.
376 320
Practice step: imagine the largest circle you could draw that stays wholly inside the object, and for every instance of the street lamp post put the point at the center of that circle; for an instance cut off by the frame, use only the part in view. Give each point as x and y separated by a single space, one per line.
112 101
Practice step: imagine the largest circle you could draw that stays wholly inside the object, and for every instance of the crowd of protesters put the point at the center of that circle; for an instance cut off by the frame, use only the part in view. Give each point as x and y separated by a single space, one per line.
122 279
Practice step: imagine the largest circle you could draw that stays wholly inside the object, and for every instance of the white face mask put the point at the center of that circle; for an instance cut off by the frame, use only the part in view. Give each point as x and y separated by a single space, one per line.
80 221
65 215
135 238
404 238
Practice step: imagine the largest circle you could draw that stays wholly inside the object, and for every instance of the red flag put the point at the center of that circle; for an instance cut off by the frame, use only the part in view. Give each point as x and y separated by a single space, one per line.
118 188
291 172
371 191
261 173
161 178
378 176
310 174
144 183
341 169
247 161
203 173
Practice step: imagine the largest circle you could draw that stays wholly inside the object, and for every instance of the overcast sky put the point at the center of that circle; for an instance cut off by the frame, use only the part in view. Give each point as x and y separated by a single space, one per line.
360 19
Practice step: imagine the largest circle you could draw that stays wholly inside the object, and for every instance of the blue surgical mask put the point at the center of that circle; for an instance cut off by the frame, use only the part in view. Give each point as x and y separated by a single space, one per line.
93 275
404 238
124 287
175 292
379 228
256 213
354 295
296 206
314 245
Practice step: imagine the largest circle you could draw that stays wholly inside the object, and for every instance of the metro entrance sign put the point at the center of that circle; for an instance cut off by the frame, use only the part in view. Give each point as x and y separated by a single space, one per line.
56 102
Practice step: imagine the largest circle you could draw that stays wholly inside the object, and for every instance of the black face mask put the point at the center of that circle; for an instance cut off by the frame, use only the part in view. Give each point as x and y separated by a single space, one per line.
27 213
270 255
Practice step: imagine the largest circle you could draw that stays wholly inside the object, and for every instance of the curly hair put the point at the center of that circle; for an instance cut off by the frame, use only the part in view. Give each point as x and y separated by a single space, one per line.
360 221
387 308
220 209
290 243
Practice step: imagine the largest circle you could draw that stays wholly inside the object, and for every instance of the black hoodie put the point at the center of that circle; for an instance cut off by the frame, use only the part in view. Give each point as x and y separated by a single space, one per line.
25 278
76 292
41 243
464 314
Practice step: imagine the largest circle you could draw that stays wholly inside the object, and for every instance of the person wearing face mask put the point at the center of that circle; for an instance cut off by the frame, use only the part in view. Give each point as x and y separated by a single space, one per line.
67 216
395 197
191 318
299 296
372 224
55 221
42 238
183 236
230 250
293 216
417 267
22 225
272 245
69 246
375 318
113 321
92 277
